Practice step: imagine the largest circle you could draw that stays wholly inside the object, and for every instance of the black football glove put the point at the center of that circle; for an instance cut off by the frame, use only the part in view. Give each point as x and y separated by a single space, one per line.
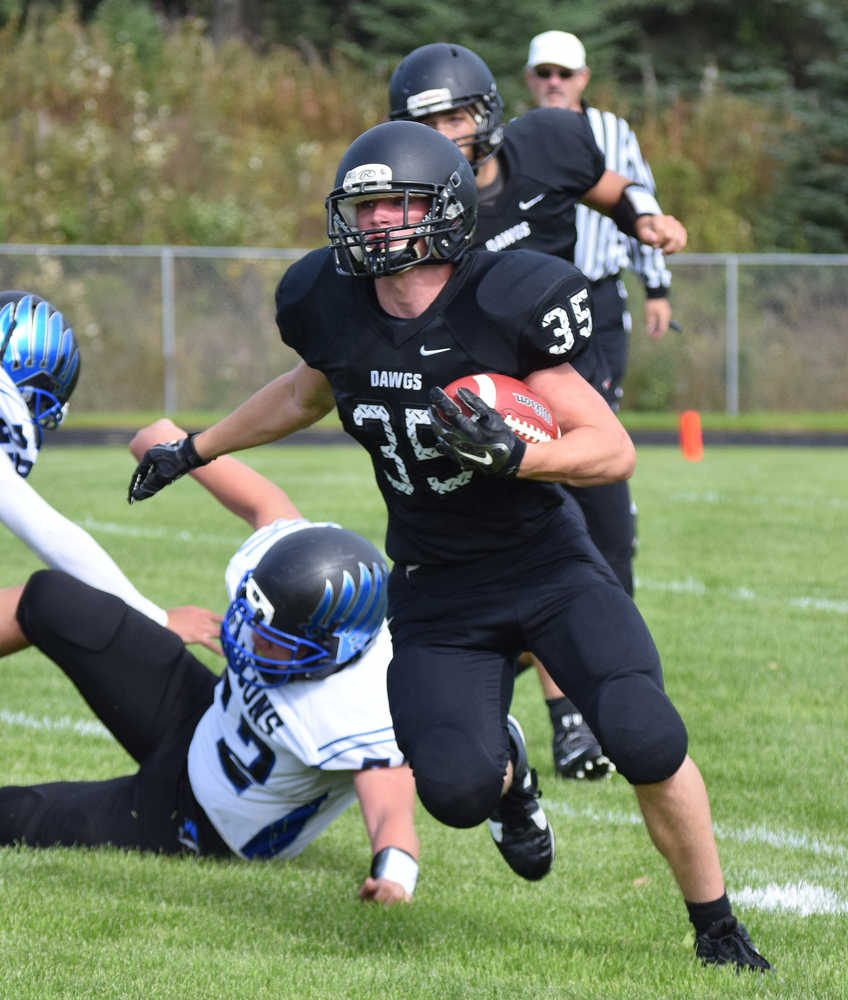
482 442
161 465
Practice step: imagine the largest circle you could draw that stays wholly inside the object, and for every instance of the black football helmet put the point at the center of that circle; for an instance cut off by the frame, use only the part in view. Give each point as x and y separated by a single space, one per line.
404 160
40 353
319 593
441 77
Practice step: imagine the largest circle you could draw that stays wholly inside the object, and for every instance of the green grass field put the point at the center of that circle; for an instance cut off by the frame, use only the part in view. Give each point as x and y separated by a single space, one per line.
742 579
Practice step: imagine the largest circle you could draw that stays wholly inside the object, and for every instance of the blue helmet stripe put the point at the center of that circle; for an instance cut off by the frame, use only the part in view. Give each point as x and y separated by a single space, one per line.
378 611
337 620
365 599
323 607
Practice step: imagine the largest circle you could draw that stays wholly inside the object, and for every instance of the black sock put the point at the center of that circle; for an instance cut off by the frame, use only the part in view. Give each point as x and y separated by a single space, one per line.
703 915
558 707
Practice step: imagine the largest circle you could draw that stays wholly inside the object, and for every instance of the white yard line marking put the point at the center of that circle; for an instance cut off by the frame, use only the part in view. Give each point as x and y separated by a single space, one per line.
740 593
762 835
795 897
85 727
110 528
802 898
754 500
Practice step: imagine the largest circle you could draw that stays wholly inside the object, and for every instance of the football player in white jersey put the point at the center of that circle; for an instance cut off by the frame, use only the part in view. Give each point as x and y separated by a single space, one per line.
40 368
255 763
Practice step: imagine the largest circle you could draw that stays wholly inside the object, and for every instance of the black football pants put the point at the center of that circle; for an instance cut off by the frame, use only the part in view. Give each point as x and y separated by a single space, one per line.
455 633
149 691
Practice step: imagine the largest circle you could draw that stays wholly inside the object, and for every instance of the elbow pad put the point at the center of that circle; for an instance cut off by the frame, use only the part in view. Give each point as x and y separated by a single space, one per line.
635 200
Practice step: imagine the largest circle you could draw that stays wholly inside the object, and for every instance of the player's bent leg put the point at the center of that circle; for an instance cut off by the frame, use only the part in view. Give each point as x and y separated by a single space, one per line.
639 728
457 780
138 677
448 710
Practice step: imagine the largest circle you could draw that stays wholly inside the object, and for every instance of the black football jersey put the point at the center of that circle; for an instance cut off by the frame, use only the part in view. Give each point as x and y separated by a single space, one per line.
510 313
548 161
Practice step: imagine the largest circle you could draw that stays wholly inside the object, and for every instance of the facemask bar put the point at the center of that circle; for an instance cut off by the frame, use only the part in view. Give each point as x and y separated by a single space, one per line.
240 622
378 251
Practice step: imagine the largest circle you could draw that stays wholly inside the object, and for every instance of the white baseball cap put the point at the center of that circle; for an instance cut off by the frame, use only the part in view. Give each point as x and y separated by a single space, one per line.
559 48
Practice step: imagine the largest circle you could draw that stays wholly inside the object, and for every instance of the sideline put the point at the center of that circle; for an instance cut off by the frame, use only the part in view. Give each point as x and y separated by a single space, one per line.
310 437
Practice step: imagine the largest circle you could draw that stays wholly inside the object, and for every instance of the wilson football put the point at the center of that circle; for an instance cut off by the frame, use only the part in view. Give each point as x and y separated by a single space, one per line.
526 414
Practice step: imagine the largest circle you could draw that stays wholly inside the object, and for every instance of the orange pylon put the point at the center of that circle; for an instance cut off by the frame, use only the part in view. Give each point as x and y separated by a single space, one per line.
691 439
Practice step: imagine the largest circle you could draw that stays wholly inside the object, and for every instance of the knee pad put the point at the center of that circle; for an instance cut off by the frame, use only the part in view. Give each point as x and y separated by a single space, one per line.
639 729
456 788
55 602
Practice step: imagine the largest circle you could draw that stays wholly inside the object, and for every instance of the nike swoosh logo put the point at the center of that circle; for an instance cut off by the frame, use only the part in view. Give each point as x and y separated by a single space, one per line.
425 352
479 459
524 205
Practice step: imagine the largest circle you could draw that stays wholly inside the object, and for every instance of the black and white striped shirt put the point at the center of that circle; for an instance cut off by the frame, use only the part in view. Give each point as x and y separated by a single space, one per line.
601 249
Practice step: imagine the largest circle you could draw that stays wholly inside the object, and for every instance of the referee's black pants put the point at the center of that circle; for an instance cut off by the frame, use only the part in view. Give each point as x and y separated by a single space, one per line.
149 691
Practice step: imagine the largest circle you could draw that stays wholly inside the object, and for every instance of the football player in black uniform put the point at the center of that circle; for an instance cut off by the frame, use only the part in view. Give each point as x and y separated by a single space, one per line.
491 557
530 174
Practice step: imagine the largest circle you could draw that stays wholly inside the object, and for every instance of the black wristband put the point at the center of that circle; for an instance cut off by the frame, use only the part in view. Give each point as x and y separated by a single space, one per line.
634 202
193 460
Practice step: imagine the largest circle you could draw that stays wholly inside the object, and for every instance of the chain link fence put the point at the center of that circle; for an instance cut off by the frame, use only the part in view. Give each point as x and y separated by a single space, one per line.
192 328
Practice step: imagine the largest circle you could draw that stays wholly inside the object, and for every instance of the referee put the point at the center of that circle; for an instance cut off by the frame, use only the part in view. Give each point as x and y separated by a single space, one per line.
557 74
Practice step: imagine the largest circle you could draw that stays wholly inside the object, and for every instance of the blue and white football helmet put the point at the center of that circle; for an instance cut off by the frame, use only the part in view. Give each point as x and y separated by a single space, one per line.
41 356
319 595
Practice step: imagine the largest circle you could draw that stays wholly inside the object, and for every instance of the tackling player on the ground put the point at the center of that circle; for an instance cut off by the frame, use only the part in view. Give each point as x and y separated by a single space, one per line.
40 367
491 556
255 763
531 173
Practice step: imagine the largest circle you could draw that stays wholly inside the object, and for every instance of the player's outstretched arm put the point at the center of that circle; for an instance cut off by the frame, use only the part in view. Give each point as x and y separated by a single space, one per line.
387 799
238 487
292 401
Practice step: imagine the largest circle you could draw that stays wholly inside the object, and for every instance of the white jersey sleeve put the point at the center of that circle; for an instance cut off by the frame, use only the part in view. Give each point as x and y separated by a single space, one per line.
272 767
17 434
54 538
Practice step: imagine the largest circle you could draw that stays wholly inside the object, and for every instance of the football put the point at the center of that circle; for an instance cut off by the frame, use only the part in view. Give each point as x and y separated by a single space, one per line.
526 414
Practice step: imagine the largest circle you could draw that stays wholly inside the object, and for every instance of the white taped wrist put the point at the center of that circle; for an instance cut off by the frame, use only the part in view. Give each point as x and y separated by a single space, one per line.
641 200
396 865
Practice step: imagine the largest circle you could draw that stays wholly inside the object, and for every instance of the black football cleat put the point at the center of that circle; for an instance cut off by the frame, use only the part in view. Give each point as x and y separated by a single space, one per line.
726 942
518 825
577 754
